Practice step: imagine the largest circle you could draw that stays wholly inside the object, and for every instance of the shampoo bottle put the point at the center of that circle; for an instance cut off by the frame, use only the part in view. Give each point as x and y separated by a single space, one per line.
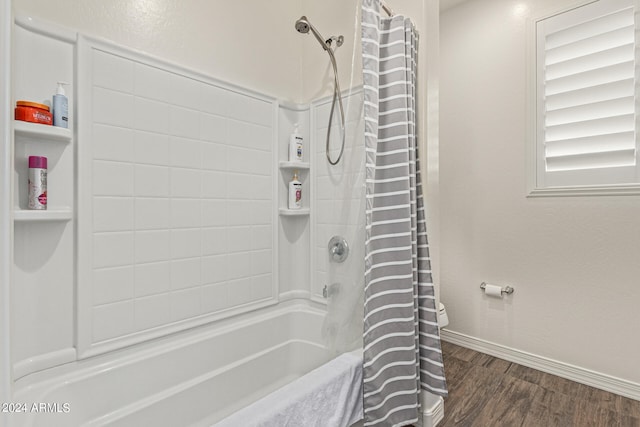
295 146
60 107
295 192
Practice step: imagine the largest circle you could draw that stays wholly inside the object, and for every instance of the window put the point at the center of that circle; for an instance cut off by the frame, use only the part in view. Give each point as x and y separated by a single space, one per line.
586 95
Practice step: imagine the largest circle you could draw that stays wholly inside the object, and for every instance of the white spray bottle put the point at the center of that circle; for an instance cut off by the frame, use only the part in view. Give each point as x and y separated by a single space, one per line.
295 146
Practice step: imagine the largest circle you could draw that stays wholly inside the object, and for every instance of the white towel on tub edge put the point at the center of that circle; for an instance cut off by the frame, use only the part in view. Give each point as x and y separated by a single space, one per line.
328 396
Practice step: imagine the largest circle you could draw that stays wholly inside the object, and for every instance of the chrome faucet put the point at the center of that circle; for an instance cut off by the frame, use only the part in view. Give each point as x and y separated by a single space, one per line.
330 290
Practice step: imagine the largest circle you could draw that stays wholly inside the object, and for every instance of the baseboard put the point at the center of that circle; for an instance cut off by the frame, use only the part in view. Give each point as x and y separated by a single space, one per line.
575 373
432 416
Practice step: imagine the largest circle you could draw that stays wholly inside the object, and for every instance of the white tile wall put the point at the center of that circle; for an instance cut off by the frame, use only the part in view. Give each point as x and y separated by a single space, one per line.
114 108
153 311
112 143
182 184
149 181
112 249
152 246
215 297
113 284
152 213
112 178
113 213
113 320
186 304
214 269
151 148
186 273
112 72
152 278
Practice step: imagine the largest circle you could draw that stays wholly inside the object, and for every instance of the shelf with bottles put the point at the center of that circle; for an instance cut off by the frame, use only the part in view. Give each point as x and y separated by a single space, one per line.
54 144
41 132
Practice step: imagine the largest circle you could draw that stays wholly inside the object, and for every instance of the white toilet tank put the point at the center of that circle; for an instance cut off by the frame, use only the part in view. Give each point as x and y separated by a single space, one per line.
443 319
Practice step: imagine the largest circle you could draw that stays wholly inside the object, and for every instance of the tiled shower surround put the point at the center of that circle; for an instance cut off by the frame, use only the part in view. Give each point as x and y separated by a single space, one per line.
182 197
171 184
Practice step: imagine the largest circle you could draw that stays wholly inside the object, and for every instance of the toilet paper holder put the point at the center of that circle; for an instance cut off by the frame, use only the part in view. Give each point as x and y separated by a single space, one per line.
505 290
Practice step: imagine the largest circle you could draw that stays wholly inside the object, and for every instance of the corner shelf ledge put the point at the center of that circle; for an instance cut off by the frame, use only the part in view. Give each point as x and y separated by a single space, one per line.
294 212
294 165
36 130
23 215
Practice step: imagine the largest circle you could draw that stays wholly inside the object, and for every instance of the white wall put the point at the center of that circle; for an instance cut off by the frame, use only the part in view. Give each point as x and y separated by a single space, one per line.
573 260
258 50
334 17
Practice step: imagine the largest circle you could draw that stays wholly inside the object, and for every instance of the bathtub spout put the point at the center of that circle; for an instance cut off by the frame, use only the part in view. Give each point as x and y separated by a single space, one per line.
331 290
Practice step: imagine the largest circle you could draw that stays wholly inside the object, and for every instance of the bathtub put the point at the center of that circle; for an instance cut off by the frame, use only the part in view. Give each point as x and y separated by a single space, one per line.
197 378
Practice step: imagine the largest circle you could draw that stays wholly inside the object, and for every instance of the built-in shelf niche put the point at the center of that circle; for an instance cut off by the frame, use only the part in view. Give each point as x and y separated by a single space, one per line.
287 168
54 143
35 134
42 277
21 215
287 165
294 212
43 133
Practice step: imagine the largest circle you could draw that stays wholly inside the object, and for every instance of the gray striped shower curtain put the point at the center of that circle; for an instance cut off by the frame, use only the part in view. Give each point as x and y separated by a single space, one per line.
402 353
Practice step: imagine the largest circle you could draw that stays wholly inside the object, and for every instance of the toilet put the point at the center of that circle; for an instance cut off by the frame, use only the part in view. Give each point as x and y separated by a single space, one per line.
443 319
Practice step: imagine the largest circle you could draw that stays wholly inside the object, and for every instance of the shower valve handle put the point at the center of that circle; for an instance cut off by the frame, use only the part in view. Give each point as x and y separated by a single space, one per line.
338 249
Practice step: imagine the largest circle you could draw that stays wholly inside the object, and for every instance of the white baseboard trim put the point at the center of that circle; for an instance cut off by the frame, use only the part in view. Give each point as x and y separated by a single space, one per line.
432 416
561 369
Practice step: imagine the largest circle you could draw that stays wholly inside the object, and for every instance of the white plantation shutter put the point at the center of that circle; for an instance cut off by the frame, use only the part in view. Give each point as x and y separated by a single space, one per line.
586 92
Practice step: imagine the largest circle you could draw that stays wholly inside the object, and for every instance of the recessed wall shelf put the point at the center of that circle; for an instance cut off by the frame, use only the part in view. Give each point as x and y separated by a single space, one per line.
44 241
294 212
36 130
46 215
294 165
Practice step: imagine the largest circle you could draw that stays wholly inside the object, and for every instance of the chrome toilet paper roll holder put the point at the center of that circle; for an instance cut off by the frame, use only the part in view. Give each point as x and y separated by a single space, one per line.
505 290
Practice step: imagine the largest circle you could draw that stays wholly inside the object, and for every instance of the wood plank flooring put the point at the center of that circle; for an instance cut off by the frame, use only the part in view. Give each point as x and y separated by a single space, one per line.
485 391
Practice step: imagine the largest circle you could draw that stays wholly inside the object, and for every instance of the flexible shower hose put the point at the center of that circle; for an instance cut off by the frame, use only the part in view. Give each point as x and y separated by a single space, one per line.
336 95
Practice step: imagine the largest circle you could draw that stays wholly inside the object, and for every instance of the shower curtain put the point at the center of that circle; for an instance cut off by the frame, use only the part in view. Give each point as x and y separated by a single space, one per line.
402 353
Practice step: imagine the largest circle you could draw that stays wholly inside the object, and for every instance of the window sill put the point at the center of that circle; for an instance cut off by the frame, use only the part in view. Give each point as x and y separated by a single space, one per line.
587 190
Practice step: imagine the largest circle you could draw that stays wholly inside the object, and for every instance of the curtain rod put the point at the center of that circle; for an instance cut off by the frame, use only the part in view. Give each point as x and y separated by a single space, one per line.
386 8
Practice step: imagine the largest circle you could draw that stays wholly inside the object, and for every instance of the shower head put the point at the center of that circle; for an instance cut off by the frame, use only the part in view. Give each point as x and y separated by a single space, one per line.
303 26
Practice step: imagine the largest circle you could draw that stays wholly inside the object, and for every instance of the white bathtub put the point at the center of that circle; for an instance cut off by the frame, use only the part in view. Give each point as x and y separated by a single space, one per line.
195 379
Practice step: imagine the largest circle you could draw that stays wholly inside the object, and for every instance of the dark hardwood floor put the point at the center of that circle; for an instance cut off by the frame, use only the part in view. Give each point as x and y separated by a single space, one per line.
488 392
